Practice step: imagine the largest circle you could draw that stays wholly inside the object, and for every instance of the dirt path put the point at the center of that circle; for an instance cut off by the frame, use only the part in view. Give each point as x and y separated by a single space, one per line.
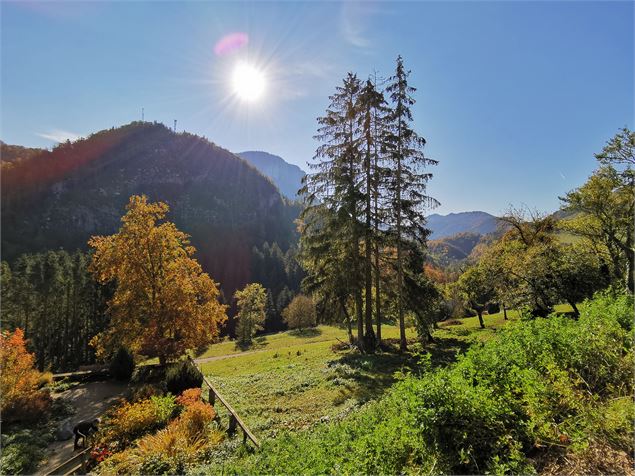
90 400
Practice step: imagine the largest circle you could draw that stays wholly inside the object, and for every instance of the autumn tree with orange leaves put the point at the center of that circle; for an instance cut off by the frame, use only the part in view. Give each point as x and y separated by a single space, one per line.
19 395
164 304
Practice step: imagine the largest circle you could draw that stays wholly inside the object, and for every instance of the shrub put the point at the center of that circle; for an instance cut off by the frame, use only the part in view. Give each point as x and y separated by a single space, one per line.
122 364
22 452
196 417
300 313
169 450
181 376
45 379
20 398
131 420
189 396
611 305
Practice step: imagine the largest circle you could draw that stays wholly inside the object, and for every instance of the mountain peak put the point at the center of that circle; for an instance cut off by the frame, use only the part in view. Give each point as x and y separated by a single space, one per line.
287 177
478 222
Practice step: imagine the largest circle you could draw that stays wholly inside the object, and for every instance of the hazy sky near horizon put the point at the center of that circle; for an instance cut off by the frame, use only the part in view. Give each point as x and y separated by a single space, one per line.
514 98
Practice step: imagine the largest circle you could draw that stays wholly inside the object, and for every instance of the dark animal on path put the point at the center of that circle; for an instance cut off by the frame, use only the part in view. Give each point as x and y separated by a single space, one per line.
83 429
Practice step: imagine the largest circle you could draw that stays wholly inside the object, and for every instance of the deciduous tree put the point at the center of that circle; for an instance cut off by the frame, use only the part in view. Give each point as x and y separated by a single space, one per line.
300 312
251 302
477 289
164 303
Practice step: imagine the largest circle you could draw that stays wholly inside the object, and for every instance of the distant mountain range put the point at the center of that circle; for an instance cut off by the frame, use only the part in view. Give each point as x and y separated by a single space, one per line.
59 198
287 177
476 222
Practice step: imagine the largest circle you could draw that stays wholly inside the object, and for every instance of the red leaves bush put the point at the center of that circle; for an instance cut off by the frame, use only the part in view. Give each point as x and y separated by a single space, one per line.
189 396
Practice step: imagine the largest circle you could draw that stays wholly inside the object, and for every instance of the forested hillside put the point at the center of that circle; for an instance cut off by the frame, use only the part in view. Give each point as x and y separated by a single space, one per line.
454 248
60 198
16 153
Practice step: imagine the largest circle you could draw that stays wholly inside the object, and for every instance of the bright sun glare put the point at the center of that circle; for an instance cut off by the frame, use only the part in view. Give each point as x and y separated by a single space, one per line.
248 82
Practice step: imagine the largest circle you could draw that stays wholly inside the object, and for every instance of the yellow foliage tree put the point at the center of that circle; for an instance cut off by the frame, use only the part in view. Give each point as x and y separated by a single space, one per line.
164 303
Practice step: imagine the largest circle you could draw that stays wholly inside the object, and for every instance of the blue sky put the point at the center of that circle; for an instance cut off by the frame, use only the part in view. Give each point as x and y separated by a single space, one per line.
513 97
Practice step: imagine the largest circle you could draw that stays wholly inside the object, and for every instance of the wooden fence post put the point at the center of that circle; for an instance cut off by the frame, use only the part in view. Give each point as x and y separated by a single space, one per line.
232 425
212 397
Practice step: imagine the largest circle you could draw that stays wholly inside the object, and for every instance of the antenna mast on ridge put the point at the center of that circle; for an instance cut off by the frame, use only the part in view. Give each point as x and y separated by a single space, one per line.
174 125
143 115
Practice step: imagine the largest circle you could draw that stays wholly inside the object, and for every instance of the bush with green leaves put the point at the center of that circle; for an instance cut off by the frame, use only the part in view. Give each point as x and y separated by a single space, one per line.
22 452
128 421
540 383
122 364
181 376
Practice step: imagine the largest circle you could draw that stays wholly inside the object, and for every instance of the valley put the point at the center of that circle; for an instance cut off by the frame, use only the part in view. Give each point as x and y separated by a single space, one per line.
317 238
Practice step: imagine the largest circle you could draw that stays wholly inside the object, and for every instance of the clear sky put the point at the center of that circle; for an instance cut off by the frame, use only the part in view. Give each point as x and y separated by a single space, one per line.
513 97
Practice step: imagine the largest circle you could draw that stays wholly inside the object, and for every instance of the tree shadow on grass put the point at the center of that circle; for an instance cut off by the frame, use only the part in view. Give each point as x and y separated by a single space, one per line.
444 350
368 376
256 343
308 332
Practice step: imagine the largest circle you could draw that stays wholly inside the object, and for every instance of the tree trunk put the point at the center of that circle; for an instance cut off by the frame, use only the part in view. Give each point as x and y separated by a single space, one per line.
377 295
403 344
376 223
368 262
349 325
505 311
630 280
360 320
576 312
480 318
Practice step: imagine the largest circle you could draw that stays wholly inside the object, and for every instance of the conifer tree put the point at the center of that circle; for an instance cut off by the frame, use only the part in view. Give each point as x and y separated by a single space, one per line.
371 104
407 186
331 230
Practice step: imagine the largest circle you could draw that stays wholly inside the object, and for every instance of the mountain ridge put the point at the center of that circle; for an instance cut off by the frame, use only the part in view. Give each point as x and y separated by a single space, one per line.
477 222
286 176
60 198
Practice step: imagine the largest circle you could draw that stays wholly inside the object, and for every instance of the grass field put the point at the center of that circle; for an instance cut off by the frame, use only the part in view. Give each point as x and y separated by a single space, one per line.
291 380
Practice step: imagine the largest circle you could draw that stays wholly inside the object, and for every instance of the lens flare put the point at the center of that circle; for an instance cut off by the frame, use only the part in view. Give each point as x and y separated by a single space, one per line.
230 43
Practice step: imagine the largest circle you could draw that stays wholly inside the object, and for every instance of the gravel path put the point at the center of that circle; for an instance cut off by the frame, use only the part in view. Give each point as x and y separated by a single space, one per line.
90 400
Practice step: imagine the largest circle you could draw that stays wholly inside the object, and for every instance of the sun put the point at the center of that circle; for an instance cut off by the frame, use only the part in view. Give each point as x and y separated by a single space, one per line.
248 82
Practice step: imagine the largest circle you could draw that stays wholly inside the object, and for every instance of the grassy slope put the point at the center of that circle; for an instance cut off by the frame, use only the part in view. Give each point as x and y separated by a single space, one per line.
291 380
294 380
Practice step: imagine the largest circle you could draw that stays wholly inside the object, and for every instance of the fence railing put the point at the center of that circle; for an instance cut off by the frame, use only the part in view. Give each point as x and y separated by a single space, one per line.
234 419
78 464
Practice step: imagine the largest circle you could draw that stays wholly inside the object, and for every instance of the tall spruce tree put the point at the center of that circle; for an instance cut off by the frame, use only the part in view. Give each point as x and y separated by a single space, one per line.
371 105
334 199
407 187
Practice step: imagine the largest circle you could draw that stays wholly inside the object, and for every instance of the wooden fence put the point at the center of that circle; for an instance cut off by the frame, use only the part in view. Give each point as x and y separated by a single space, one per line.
234 419
74 465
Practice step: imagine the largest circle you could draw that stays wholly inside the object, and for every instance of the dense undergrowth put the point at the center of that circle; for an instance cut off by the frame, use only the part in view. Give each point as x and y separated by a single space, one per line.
539 388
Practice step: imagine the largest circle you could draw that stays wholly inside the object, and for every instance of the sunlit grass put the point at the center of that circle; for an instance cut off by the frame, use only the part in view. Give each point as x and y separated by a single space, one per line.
291 380
295 380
